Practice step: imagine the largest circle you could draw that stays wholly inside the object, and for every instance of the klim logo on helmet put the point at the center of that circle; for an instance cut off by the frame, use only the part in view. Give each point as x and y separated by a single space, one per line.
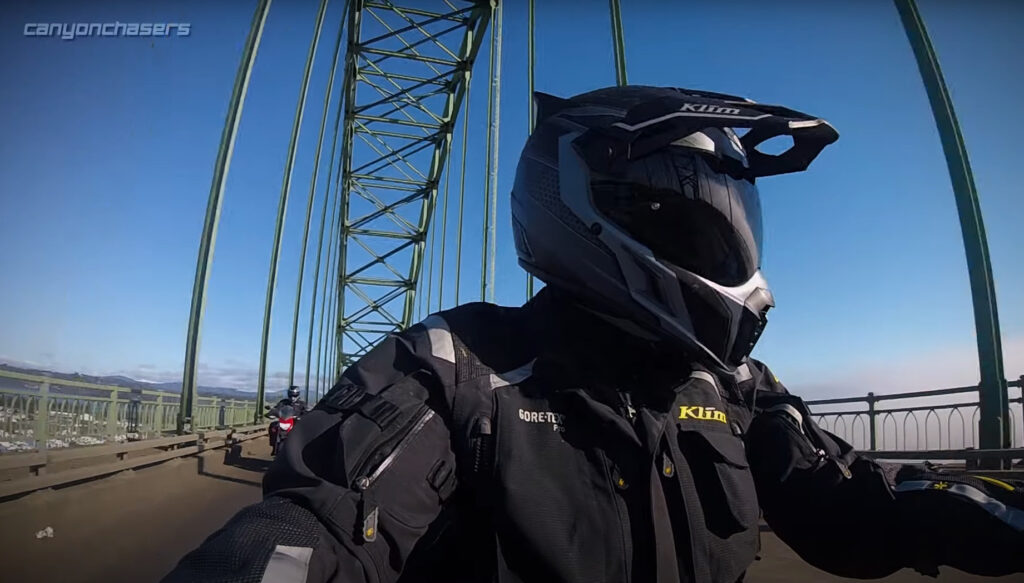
705 108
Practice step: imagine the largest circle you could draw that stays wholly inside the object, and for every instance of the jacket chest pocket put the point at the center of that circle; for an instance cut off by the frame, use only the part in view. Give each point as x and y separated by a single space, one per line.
554 517
722 478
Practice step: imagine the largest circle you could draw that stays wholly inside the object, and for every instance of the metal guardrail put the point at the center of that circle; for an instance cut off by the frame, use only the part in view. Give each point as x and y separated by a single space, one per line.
51 413
81 413
174 447
877 426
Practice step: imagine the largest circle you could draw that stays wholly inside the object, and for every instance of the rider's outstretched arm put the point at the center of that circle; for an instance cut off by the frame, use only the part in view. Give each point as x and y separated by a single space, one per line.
855 517
359 483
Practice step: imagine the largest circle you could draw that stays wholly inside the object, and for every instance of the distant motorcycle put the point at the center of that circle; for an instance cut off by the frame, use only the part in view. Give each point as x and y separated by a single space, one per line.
283 423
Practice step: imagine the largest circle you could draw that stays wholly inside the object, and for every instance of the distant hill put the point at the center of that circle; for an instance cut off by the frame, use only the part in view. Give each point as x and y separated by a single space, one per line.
173 387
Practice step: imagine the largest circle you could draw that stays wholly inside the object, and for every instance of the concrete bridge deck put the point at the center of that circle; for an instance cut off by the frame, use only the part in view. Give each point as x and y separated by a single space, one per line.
133 527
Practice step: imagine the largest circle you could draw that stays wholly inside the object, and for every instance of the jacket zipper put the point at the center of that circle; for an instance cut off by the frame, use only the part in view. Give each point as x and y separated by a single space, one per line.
368 509
482 451
622 510
621 506
808 447
424 415
627 404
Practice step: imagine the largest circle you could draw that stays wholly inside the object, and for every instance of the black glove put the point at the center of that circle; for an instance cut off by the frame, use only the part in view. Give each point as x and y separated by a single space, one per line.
854 517
970 522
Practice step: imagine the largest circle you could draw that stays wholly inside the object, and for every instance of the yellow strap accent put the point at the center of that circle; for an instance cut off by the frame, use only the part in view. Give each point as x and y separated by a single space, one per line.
999 483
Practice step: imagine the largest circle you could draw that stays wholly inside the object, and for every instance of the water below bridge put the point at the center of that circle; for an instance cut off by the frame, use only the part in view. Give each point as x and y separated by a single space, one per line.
133 527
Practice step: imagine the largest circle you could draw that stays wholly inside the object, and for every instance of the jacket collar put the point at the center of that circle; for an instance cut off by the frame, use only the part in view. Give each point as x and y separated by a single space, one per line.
574 343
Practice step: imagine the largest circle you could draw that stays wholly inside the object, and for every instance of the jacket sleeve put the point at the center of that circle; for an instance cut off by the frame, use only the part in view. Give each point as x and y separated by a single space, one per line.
854 517
358 488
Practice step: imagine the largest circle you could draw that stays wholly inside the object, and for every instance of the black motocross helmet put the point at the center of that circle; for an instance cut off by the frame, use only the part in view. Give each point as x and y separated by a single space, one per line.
641 202
293 393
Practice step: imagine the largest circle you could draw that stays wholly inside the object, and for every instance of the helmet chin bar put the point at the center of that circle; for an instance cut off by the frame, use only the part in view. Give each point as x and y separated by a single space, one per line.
753 320
743 309
655 286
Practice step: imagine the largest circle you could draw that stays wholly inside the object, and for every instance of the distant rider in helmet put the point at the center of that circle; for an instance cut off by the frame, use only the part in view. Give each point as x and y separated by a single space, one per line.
614 428
291 399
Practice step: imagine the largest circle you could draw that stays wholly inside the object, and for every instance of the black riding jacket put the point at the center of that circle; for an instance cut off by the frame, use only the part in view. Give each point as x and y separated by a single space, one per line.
536 444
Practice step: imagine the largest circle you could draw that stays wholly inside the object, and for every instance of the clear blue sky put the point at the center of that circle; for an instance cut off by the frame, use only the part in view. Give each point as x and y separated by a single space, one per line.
108 149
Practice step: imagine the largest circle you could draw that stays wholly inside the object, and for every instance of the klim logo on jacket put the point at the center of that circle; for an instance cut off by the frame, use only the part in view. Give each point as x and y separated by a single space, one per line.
702 413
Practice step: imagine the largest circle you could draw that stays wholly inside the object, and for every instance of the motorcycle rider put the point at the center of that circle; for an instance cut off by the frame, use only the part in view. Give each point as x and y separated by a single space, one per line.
291 399
614 428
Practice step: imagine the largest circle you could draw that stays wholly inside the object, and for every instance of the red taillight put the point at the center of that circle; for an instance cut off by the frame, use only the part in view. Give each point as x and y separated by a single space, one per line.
286 425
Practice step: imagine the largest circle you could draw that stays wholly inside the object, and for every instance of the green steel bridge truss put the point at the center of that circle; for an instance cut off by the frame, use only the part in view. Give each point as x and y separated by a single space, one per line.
405 80
406 77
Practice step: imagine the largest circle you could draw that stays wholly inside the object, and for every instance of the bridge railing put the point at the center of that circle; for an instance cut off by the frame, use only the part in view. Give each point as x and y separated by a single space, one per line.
943 419
27 472
81 413
40 412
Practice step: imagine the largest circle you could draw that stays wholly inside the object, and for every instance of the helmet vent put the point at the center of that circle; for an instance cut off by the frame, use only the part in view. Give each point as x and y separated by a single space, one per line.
651 283
545 190
687 176
522 244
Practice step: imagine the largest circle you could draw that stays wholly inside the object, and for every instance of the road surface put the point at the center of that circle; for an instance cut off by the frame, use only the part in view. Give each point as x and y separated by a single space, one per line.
133 527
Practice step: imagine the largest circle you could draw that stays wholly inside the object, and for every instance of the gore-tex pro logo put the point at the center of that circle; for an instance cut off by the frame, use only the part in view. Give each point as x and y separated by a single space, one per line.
557 420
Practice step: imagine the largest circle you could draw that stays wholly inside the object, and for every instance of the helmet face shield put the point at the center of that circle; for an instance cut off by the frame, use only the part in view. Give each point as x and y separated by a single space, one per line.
708 224
687 242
